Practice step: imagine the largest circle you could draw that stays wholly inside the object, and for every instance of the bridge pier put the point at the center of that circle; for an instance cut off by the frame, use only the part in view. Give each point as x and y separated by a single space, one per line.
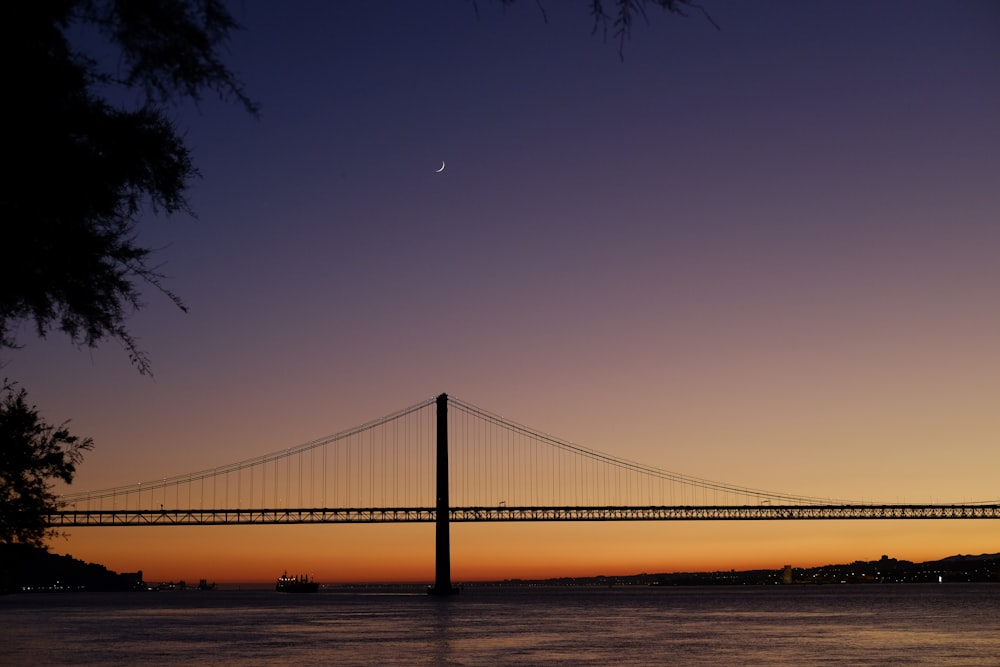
442 559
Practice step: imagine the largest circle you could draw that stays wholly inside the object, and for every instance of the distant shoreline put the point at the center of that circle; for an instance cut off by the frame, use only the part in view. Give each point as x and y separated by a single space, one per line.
24 570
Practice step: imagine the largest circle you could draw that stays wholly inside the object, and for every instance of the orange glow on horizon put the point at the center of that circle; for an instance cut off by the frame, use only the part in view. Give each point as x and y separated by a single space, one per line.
492 552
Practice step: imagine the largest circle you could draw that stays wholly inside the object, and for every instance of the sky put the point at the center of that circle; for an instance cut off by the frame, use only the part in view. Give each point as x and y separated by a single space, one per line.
763 254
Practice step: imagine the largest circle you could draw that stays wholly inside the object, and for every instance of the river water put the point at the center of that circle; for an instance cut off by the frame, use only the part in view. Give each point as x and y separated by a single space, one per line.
912 624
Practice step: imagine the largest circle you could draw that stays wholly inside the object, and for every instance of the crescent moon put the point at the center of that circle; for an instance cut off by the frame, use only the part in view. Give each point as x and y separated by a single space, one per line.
438 171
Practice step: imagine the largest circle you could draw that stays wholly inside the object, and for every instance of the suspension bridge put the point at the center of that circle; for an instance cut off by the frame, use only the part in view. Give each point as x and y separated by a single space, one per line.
444 460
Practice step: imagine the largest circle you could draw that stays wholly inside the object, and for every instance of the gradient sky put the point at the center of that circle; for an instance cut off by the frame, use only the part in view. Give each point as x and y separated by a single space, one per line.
765 255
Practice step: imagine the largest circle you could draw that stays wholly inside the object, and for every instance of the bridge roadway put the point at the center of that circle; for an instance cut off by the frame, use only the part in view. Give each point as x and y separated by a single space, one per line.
77 518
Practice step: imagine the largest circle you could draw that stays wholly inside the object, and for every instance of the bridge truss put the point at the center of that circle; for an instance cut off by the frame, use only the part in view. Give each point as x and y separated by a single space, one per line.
77 518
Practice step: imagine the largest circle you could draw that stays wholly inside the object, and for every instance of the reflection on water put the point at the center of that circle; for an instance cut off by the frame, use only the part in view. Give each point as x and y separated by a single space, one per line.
832 625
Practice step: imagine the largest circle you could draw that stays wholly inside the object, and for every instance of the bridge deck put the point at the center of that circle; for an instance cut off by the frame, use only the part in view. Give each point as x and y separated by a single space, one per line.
79 518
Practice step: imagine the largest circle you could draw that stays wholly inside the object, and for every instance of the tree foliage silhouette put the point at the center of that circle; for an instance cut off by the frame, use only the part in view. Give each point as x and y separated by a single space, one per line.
626 12
90 150
618 16
85 169
31 454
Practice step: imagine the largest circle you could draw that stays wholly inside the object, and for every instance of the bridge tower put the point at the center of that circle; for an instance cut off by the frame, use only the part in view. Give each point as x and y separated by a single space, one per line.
442 565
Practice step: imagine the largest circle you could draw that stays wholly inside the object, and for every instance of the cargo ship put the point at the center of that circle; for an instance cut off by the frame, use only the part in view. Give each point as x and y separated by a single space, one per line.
297 584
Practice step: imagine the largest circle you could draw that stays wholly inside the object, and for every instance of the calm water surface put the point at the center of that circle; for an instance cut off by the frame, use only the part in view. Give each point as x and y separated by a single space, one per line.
949 624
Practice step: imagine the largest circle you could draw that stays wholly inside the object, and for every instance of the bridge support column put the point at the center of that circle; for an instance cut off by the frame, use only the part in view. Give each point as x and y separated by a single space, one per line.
442 560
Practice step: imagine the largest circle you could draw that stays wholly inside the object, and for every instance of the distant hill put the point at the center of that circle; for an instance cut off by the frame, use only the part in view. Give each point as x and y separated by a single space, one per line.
959 568
27 569
984 567
965 559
